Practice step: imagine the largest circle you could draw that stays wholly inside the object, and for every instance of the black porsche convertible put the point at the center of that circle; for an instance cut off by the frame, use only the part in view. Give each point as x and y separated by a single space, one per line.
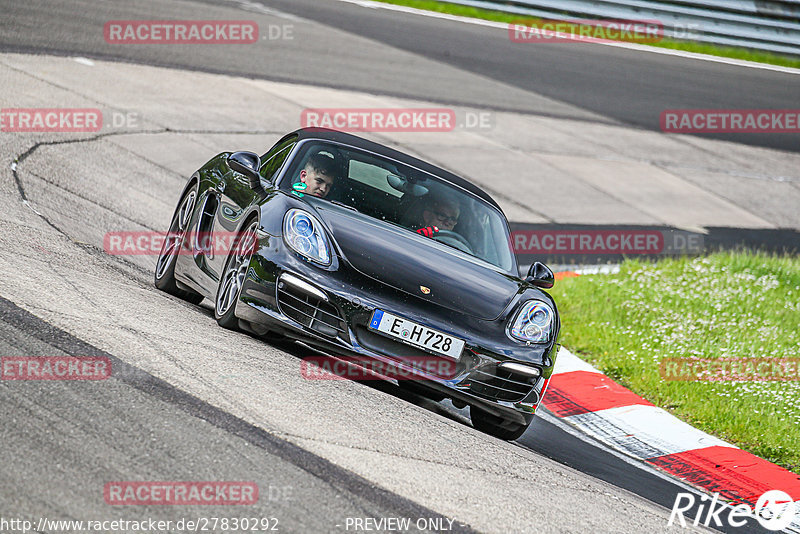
363 252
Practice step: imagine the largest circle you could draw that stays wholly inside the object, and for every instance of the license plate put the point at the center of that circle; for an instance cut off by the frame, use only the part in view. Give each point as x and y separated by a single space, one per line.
416 334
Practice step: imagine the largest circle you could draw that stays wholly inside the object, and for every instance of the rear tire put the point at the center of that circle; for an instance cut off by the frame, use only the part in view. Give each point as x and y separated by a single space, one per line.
164 276
491 424
234 274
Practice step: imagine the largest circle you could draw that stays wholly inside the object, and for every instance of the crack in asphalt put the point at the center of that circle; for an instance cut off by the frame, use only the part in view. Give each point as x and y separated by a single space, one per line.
112 261
96 250
21 157
117 264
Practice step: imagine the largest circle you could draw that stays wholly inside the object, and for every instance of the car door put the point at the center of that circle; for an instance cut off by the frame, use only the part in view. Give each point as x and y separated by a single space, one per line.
234 196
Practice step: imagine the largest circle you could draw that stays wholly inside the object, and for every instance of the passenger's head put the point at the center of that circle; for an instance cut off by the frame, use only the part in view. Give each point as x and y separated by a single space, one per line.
441 212
318 175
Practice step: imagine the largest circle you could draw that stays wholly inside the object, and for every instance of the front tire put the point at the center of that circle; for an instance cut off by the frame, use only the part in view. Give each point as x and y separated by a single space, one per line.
164 276
494 425
234 275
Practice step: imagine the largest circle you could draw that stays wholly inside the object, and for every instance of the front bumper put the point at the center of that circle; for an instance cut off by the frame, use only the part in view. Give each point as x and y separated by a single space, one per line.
330 310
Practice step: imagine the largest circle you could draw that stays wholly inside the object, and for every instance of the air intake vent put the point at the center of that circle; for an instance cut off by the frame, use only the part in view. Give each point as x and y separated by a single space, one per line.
500 384
309 306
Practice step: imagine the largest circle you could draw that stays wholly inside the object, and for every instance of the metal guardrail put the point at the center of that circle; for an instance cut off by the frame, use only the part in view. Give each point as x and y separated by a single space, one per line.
766 25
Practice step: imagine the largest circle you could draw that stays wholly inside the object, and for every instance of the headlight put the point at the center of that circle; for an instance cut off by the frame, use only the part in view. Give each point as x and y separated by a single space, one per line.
533 323
303 233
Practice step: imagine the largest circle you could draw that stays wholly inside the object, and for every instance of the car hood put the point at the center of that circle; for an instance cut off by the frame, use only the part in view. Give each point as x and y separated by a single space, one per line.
403 261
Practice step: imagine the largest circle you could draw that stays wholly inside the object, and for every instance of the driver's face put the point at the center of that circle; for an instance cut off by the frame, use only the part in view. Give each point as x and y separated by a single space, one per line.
443 216
317 184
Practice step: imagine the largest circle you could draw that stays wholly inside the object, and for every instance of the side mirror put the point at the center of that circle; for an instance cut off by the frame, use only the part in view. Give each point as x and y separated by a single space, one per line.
247 164
540 275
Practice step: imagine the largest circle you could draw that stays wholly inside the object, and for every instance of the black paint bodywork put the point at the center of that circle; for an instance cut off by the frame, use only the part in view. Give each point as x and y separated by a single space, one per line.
374 265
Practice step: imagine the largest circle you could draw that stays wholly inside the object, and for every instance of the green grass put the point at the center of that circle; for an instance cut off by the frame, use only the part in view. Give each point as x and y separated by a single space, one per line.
689 46
732 305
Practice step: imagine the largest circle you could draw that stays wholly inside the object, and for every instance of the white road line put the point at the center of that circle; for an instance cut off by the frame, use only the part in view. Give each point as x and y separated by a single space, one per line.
578 433
586 438
257 7
640 430
566 362
630 46
795 526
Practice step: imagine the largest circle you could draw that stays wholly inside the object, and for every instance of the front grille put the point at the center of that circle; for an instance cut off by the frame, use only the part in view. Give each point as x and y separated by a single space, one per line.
433 364
499 384
311 311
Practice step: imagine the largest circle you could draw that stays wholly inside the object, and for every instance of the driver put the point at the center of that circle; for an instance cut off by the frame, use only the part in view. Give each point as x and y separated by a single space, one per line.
438 214
318 175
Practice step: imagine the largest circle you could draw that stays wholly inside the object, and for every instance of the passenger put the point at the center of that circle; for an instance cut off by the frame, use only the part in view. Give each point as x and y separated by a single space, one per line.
318 175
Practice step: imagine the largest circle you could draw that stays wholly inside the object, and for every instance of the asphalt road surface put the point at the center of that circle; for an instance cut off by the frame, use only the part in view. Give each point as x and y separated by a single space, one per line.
71 438
189 401
403 54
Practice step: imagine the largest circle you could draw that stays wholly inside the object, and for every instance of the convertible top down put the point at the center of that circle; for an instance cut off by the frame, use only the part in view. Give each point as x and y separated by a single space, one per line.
368 254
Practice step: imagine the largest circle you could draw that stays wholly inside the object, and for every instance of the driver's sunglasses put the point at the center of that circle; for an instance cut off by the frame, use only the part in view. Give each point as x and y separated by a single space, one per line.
445 218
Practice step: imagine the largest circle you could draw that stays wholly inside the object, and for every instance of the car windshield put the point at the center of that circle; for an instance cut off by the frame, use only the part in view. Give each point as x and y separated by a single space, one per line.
405 196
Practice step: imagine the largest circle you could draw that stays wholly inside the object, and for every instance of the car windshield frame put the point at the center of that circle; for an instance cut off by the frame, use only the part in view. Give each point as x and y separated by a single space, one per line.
299 152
